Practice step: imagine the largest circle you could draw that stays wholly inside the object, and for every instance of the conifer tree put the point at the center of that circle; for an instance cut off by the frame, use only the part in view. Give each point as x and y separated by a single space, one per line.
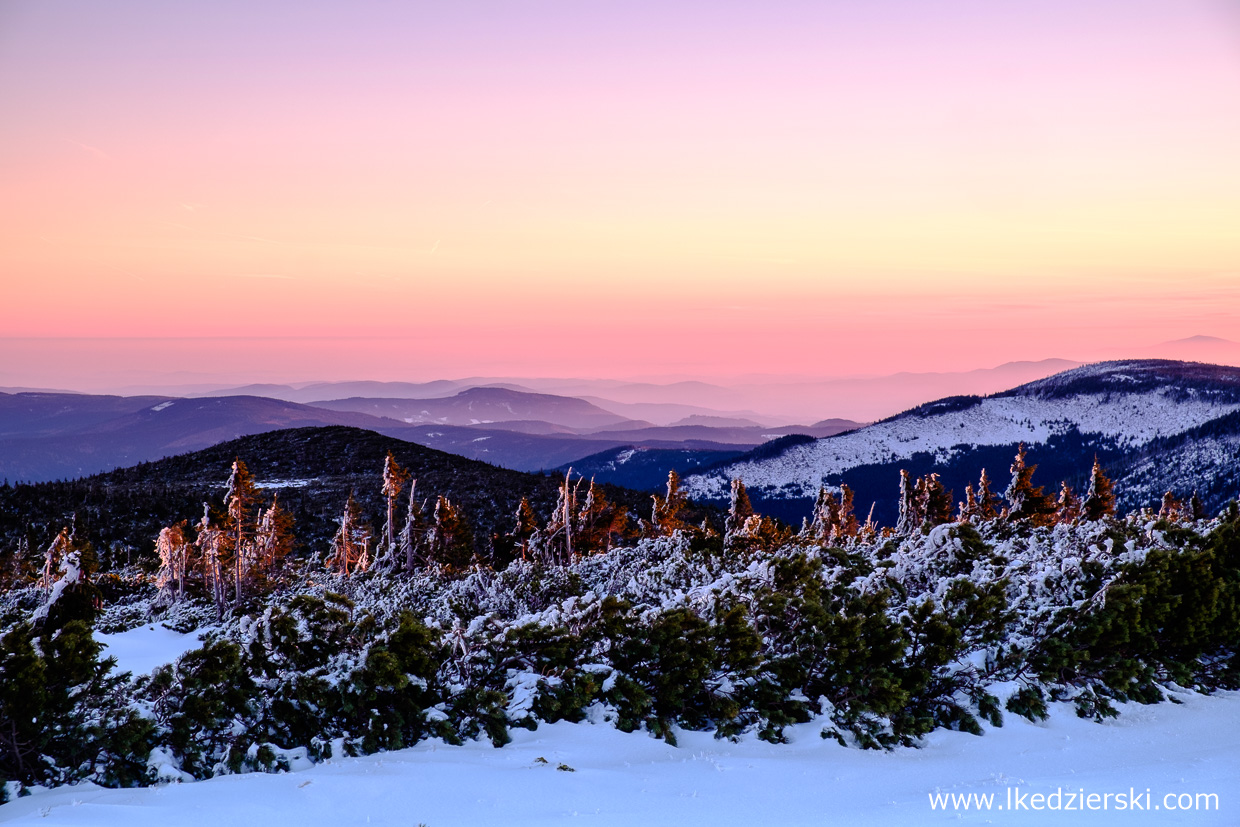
968 509
350 551
598 521
240 499
526 527
394 479
1068 509
586 514
173 550
987 502
740 509
909 517
413 535
825 518
273 537
934 501
60 546
71 597
1171 508
450 540
1026 500
212 544
846 518
668 514
1196 508
560 527
13 565
64 712
568 501
1100 497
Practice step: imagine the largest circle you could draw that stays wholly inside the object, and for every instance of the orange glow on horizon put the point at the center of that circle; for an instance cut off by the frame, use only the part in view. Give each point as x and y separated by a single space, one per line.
707 188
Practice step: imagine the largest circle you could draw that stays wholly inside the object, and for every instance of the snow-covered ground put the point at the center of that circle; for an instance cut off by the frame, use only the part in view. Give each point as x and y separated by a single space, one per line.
632 779
142 649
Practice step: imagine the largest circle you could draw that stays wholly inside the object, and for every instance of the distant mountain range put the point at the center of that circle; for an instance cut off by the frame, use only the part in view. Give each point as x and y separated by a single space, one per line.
767 400
63 436
1158 425
486 406
46 436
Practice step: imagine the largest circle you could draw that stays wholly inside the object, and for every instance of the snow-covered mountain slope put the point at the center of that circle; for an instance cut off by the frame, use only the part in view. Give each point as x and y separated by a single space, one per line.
1112 408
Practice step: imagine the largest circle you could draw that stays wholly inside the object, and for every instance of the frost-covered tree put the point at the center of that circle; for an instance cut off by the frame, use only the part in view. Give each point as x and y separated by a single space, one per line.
212 544
172 547
599 522
846 517
987 502
740 509
1171 509
934 501
394 479
66 600
273 537
910 516
450 540
824 519
967 510
1100 496
240 499
561 526
350 550
1026 500
526 526
668 513
413 535
64 713
56 550
833 521
1068 508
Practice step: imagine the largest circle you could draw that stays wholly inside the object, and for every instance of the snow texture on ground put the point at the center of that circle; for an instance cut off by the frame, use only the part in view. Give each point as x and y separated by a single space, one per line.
142 649
633 779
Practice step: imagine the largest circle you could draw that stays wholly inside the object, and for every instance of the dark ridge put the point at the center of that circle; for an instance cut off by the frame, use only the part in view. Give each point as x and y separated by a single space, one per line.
122 511
766 450
647 468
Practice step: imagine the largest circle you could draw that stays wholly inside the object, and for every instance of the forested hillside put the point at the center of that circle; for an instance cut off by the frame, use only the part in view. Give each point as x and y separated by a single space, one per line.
313 471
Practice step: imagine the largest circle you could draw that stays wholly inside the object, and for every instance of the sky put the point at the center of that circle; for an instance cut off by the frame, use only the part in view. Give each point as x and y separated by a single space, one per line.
393 190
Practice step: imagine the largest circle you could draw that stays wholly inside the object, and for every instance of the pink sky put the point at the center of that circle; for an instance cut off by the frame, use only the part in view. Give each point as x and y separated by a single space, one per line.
397 191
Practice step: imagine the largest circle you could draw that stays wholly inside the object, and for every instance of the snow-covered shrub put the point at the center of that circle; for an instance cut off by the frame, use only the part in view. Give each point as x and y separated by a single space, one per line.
881 640
64 715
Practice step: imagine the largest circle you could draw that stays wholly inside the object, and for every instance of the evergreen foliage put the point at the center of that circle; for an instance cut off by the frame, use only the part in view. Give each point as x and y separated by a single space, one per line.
64 715
1027 501
1100 497
1068 508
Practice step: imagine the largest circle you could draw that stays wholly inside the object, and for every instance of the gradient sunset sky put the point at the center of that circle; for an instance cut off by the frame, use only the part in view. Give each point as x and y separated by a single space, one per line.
407 190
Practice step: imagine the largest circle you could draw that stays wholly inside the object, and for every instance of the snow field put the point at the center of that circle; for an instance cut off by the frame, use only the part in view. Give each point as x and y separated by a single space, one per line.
142 649
633 779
